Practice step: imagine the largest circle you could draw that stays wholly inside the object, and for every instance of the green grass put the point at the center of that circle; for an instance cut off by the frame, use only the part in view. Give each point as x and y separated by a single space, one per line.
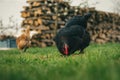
99 62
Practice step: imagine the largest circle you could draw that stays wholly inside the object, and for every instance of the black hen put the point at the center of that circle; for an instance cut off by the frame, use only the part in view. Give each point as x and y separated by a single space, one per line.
73 36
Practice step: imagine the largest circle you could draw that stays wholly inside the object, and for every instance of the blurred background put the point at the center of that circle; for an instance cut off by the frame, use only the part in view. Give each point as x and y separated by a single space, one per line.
13 7
17 14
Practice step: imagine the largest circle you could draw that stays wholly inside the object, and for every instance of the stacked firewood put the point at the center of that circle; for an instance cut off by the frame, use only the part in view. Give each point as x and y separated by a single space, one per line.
105 32
3 37
104 27
47 16
44 17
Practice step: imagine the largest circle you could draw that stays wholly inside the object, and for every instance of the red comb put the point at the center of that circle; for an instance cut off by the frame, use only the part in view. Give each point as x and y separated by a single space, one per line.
66 49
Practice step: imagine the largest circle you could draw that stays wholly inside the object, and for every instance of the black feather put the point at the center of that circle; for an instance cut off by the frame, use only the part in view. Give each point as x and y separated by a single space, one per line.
74 34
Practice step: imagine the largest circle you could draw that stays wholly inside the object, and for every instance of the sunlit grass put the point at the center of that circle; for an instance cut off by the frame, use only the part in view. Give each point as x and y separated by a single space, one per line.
99 62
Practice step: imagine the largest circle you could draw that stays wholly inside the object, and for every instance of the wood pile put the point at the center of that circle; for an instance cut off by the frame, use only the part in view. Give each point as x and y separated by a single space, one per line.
104 27
42 16
105 32
4 37
47 16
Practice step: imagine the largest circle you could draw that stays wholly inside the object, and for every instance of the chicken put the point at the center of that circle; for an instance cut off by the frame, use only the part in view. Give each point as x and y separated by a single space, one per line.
73 36
23 41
